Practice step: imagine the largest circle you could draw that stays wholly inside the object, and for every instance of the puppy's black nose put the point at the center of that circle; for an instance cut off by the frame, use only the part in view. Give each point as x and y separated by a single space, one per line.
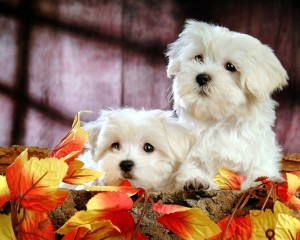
126 165
202 79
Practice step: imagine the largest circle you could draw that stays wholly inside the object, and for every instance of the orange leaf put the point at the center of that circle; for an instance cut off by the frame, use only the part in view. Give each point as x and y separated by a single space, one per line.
36 224
99 230
228 180
77 175
4 191
34 182
121 188
188 223
14 172
112 201
239 228
74 141
286 190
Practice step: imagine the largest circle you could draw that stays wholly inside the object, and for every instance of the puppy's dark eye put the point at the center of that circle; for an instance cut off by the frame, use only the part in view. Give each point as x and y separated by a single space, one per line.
116 146
230 67
199 58
148 148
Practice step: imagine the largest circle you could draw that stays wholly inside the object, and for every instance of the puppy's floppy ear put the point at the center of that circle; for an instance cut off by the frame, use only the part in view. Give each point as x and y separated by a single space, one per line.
265 74
179 139
93 129
173 57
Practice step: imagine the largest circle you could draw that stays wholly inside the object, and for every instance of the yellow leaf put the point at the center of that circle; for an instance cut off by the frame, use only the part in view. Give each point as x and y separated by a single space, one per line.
287 227
228 180
188 223
85 219
77 175
261 222
38 184
4 191
281 208
6 230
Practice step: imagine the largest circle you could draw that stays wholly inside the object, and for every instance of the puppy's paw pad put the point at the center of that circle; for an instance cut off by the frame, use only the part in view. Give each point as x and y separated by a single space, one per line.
196 184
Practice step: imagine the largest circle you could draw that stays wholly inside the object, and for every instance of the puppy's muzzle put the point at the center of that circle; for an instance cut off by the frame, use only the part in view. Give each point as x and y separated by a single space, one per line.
202 79
126 165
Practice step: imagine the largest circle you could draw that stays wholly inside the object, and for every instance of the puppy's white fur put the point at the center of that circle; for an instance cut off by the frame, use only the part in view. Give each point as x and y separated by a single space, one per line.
132 129
232 114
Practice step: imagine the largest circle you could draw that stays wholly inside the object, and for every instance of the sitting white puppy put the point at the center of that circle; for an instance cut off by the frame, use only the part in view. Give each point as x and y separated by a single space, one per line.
145 147
222 86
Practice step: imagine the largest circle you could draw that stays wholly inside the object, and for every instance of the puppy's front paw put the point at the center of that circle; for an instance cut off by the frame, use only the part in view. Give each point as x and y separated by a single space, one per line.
196 184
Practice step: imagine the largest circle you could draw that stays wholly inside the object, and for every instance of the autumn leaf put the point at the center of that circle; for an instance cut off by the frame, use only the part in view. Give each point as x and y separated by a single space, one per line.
263 222
74 141
4 191
287 227
124 187
112 201
239 228
36 224
96 231
228 180
188 223
77 175
286 190
6 230
34 182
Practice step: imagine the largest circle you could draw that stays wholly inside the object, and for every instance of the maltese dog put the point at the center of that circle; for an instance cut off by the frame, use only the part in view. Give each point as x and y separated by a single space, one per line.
145 147
221 89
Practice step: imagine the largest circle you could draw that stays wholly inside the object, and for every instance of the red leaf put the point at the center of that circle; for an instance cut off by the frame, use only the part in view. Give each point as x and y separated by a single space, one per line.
239 228
72 144
36 225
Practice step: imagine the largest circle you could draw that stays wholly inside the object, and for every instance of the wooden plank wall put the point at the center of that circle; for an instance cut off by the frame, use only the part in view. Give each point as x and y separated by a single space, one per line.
58 57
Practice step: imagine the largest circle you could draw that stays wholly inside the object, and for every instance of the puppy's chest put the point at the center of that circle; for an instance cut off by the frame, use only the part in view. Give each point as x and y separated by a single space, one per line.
221 144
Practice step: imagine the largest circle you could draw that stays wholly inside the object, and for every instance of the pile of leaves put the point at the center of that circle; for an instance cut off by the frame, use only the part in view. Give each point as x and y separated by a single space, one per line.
30 189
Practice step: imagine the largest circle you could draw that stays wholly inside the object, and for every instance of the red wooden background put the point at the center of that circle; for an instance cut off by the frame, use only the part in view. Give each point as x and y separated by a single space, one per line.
58 57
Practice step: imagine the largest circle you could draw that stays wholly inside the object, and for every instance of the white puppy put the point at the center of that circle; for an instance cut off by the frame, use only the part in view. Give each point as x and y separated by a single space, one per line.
145 147
222 86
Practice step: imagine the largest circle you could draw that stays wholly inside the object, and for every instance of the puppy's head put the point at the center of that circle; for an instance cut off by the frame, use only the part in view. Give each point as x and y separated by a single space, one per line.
218 73
144 147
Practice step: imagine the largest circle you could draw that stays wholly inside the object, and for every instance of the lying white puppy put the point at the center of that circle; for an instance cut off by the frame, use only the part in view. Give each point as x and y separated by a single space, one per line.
222 86
145 147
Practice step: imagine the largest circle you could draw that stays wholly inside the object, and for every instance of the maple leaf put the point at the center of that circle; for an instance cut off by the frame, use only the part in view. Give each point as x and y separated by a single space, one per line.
287 227
286 190
72 144
34 182
263 222
228 180
124 187
36 225
282 224
188 223
6 230
239 228
96 231
4 191
77 175
112 201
